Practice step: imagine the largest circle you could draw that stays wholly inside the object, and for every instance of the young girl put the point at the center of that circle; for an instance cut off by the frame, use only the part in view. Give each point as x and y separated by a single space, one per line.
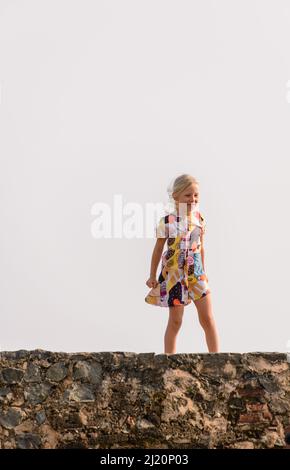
182 278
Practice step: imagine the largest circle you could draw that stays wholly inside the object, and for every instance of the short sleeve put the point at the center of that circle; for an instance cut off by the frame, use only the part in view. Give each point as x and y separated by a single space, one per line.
161 229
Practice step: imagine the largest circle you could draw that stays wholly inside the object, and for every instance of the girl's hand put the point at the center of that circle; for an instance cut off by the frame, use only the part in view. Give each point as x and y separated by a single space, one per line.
152 282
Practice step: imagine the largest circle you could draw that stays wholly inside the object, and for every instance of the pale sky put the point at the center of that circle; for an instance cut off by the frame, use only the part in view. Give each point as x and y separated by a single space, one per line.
110 97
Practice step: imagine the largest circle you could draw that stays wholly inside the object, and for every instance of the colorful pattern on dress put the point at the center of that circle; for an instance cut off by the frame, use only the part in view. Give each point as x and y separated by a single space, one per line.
182 278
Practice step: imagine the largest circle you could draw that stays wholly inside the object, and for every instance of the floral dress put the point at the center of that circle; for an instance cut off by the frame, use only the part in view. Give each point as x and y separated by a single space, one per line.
182 278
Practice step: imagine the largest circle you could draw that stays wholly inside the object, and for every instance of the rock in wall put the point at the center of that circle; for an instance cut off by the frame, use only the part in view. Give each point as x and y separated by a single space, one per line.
129 400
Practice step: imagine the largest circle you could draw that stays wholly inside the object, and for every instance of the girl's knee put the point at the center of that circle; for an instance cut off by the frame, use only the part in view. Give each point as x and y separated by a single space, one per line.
206 321
175 323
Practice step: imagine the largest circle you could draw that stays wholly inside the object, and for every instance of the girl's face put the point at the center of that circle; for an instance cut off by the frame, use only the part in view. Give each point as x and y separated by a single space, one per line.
189 195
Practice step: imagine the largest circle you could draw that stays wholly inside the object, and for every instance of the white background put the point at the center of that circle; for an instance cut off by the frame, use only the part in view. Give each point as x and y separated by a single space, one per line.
118 97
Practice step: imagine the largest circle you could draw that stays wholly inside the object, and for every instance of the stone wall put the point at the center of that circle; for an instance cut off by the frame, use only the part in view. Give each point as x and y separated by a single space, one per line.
127 400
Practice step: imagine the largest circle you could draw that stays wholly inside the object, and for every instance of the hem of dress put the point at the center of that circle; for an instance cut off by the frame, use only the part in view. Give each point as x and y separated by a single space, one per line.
167 306
184 305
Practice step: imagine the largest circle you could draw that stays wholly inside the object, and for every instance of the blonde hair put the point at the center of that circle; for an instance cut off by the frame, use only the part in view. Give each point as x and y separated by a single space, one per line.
180 183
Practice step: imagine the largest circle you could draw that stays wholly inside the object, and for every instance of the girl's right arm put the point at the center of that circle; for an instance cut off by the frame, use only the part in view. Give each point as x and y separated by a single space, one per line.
156 256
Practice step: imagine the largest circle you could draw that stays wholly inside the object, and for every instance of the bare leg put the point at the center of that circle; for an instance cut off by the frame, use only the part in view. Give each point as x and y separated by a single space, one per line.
173 326
205 314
